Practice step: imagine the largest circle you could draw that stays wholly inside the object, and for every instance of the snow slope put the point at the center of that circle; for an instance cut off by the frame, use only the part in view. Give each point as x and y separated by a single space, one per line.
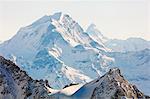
112 85
58 48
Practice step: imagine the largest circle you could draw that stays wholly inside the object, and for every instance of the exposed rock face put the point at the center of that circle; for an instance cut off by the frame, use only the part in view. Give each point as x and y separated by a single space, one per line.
114 86
16 84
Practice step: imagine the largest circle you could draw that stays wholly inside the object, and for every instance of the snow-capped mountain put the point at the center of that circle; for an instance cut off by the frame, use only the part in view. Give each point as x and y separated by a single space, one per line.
117 45
132 56
96 35
58 48
130 44
16 84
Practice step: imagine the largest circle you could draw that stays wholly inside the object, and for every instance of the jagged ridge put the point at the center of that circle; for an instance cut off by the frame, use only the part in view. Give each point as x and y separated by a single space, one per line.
112 85
16 84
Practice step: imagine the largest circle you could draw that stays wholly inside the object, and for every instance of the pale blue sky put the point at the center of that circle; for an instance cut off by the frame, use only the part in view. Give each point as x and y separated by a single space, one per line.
114 18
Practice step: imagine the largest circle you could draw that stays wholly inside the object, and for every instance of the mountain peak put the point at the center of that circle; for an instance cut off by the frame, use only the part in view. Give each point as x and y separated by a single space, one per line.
113 85
96 35
56 16
43 19
113 71
94 31
91 26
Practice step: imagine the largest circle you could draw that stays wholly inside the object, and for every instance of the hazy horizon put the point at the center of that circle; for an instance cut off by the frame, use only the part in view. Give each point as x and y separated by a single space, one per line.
118 19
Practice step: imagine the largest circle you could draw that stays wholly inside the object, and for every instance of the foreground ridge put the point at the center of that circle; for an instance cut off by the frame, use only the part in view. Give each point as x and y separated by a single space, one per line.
16 84
112 85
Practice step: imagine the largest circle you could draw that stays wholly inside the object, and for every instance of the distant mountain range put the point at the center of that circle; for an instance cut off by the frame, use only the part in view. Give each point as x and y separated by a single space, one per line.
130 44
58 49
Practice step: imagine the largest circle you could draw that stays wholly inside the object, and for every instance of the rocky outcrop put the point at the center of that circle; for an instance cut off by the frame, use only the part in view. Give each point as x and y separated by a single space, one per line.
114 86
16 84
